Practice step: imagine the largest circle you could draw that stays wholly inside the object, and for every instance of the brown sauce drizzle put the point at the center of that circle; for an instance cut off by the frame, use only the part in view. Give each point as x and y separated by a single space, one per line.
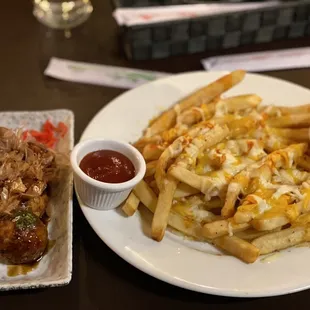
18 270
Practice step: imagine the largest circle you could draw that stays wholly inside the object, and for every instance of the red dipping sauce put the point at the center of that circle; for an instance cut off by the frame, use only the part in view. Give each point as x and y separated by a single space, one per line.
108 166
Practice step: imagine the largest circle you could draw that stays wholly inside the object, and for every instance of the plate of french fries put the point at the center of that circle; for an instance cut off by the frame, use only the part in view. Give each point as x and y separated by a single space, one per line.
224 207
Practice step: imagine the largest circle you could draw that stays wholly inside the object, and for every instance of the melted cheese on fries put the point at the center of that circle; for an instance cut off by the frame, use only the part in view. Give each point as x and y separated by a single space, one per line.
229 170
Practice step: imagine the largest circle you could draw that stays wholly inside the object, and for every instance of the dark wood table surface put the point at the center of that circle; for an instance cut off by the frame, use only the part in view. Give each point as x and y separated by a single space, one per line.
101 280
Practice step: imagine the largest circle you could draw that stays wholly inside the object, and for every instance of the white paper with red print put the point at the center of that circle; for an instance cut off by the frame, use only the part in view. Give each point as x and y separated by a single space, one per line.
147 15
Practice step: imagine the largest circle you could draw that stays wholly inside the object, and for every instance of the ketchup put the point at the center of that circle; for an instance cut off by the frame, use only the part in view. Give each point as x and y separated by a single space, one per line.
108 166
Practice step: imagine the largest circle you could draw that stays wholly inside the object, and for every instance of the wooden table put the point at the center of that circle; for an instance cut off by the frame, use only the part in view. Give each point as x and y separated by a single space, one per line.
101 280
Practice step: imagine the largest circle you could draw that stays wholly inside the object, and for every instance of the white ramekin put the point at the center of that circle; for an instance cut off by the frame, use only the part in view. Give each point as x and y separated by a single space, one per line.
99 195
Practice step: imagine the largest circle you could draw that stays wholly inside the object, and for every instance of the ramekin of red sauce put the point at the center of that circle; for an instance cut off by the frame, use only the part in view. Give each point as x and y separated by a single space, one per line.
105 171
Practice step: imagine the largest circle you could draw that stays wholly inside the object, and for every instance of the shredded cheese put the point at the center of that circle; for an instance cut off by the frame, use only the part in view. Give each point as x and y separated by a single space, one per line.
219 182
262 205
256 152
286 189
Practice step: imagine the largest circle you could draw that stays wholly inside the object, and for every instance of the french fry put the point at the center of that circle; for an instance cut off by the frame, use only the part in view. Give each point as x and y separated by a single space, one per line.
146 195
304 162
283 239
190 178
174 150
203 184
242 249
167 136
269 224
241 127
296 120
173 133
188 227
203 95
281 110
150 168
176 221
272 220
161 215
251 233
235 187
131 204
152 151
206 111
200 143
302 109
141 143
222 120
154 187
184 190
302 220
197 114
221 228
295 134
238 103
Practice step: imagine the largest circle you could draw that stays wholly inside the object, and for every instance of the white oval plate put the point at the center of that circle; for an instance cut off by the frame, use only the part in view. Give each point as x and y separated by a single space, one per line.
181 262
